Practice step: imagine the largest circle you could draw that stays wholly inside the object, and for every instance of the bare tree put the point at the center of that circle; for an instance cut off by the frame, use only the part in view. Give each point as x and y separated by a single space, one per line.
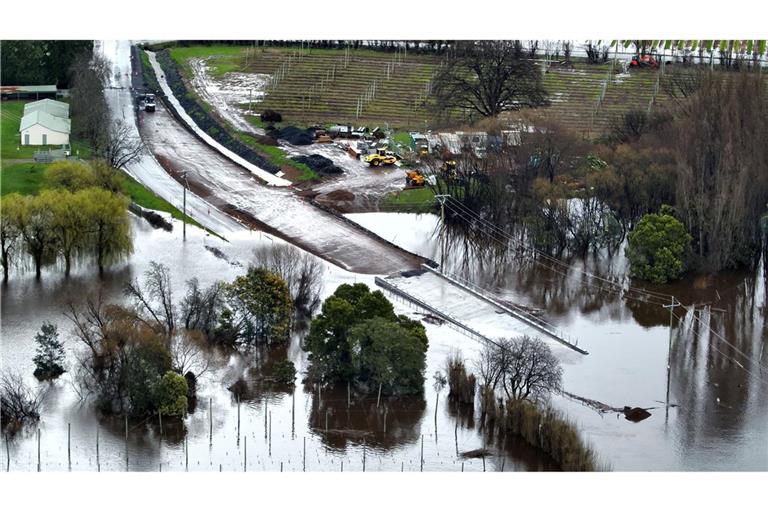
524 368
89 75
301 271
122 145
18 403
489 77
156 297
188 354
200 308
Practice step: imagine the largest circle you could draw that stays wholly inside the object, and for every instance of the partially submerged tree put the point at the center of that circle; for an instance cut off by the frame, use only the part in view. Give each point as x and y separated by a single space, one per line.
259 306
524 368
302 272
19 405
10 232
658 248
122 145
49 357
489 77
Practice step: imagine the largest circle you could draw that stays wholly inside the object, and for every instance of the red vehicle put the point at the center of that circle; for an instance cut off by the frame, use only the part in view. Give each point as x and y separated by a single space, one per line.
644 61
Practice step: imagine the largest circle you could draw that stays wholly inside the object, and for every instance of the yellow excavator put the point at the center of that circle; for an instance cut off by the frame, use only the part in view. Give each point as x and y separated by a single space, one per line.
381 157
414 179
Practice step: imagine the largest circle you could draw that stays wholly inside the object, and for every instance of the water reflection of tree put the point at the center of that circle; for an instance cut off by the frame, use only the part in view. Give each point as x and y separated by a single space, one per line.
364 421
710 374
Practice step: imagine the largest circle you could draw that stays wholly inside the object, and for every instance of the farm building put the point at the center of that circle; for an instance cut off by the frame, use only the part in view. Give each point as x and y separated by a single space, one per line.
45 122
53 107
18 92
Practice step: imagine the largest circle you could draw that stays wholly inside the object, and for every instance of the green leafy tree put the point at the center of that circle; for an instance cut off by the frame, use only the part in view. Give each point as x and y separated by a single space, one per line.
49 359
108 226
357 336
658 247
11 206
261 309
284 372
71 175
171 397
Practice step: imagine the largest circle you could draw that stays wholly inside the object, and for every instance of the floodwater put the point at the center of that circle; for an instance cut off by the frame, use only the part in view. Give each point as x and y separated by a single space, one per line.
309 430
717 421
720 417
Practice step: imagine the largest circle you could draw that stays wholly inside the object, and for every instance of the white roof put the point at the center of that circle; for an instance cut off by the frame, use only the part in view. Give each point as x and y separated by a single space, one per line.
53 123
52 107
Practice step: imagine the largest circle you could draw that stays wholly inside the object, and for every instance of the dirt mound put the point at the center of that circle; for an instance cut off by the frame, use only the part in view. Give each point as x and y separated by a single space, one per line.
294 135
319 163
340 195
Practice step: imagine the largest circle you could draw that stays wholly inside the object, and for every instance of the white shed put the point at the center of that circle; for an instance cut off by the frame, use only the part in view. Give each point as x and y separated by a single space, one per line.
39 128
53 107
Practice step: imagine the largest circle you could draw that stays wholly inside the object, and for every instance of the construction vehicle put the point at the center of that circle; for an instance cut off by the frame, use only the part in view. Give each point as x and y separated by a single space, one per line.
414 179
149 102
381 157
448 168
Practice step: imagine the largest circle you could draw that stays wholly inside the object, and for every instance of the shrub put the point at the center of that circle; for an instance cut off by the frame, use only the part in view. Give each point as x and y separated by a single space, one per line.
461 385
171 395
284 372
658 247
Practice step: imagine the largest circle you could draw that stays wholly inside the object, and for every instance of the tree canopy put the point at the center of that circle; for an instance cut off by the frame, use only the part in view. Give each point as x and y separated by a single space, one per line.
658 247
40 62
489 77
358 337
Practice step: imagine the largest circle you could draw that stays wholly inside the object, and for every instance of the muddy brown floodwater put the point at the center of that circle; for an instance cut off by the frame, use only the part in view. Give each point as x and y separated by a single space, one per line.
718 422
387 438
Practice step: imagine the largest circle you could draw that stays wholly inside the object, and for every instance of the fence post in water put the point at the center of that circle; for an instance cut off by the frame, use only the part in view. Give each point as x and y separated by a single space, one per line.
245 453
385 420
422 453
7 455
126 442
69 446
326 421
270 433
462 467
186 453
266 406
160 420
456 436
304 456
98 461
210 421
238 421
363 455
38 450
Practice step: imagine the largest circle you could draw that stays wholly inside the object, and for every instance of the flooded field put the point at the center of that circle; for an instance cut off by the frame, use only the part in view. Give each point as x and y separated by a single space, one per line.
302 430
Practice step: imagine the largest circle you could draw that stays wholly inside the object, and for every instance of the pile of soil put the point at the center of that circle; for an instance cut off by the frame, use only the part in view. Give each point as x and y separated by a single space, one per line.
319 163
294 135
340 195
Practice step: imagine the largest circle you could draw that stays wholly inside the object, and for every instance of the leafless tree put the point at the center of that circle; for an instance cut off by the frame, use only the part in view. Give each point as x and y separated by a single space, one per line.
122 145
200 308
18 403
489 77
302 271
188 354
89 107
524 368
722 186
155 298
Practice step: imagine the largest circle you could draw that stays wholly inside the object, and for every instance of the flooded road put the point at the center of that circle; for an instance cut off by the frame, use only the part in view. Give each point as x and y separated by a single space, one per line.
387 438
721 422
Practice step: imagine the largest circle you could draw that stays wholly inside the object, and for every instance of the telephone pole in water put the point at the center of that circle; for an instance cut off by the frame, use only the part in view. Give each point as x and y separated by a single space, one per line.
671 307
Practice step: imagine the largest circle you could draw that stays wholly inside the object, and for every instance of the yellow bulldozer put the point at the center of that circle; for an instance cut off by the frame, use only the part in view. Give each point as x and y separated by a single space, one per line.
381 157
414 179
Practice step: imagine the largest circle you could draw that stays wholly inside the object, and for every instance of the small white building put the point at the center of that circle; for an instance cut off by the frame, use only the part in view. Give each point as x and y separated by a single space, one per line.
45 123
53 107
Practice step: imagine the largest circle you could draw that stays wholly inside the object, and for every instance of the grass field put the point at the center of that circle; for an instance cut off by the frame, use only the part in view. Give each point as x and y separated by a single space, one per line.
10 145
24 178
278 157
416 200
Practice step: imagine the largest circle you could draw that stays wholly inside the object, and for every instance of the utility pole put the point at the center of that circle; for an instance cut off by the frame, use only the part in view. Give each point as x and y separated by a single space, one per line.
184 216
671 307
442 198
